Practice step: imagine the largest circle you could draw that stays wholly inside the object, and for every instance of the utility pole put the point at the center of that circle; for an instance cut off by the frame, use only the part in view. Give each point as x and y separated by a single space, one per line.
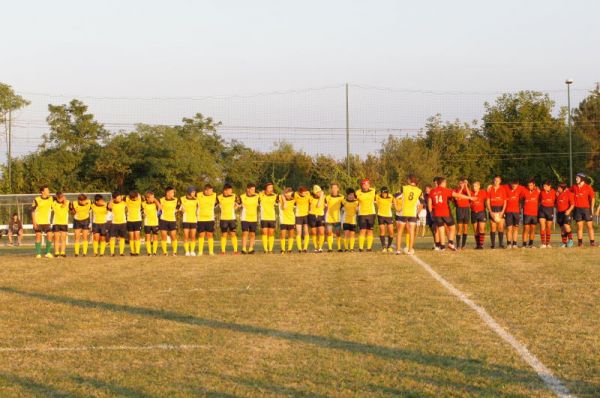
568 82
347 132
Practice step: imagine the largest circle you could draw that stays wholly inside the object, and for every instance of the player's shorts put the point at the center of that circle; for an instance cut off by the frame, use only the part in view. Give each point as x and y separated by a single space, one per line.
582 214
228 226
60 228
546 213
462 215
478 216
301 220
151 229
287 227
164 225
530 220
133 226
445 220
315 221
81 224
98 228
118 230
349 227
366 222
267 224
562 218
249 226
189 225
381 220
512 219
43 228
410 220
334 225
205 226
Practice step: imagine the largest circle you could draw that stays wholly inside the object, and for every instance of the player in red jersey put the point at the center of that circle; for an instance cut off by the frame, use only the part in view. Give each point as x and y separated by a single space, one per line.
546 213
438 205
531 204
496 205
565 203
584 203
512 214
462 213
478 217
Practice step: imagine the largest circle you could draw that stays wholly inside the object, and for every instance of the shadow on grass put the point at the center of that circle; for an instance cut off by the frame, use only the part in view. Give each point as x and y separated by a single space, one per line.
34 387
111 388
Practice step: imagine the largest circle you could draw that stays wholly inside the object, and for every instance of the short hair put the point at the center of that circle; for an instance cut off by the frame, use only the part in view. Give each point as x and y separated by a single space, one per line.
531 181
334 184
43 187
428 186
562 185
514 180
413 179
227 186
302 189
268 183
439 180
148 193
497 176
98 197
82 196
133 194
288 190
350 190
169 188
208 186
250 185
462 178
15 214
116 193
548 182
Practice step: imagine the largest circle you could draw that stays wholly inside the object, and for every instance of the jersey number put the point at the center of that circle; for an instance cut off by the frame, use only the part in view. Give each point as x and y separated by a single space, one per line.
411 196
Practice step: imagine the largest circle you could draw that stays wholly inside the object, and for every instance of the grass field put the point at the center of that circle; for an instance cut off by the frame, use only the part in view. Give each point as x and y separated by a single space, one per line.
298 325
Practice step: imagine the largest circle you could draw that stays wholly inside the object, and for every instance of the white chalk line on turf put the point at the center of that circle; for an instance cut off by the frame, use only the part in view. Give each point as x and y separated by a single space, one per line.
156 347
542 371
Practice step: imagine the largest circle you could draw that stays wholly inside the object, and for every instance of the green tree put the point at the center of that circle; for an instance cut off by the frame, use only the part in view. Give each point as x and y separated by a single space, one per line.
9 102
586 120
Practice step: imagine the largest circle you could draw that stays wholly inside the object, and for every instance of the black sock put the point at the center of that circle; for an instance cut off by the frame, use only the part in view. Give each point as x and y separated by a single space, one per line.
457 240
530 242
501 238
382 239
580 241
464 242
450 242
493 238
390 240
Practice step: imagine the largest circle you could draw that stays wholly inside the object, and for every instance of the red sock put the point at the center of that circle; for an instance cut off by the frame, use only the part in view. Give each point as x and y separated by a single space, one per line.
570 235
563 237
548 235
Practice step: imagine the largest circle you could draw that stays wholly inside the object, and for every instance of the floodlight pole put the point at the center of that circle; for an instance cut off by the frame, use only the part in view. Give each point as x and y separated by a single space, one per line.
568 82
347 132
9 153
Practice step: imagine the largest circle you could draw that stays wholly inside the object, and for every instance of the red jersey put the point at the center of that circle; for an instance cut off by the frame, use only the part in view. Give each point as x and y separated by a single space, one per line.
497 196
439 201
565 200
478 204
513 199
548 199
464 203
531 202
583 195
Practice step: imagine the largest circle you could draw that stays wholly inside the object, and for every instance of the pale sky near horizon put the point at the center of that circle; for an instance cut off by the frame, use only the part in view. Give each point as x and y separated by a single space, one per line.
204 48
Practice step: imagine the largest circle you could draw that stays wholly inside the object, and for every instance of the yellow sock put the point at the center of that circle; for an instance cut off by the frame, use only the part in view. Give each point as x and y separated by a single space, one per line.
352 241
163 246
369 242
223 243
361 242
138 246
132 246
154 246
290 244
174 246
193 246
321 241
76 248
271 242
234 243
339 243
306 241
314 241
85 247
186 246
299 242
265 242
102 247
346 241
282 244
148 247
112 246
121 245
330 242
211 245
201 245
95 247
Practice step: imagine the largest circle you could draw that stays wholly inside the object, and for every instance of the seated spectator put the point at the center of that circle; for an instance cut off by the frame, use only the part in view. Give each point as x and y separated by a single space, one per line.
15 227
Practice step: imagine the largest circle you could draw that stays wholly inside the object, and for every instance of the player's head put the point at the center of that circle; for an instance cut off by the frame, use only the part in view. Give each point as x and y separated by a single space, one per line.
385 192
98 198
269 188
116 196
227 189
208 189
149 196
580 178
133 194
531 184
350 194
476 185
60 197
497 180
335 189
365 184
412 179
44 190
441 182
15 216
435 180
190 191
463 180
169 192
562 186
514 183
427 188
250 189
302 190
288 192
317 191
81 198
547 185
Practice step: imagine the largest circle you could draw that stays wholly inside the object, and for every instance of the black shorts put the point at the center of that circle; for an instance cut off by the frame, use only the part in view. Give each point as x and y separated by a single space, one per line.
205 226
546 213
349 227
316 221
287 227
151 229
98 228
441 221
385 220
530 220
228 226
164 225
334 225
81 224
60 228
189 225
133 226
118 230
429 220
562 218
512 219
366 222
249 226
301 220
478 216
267 224
496 209
410 220
462 215
43 228
582 214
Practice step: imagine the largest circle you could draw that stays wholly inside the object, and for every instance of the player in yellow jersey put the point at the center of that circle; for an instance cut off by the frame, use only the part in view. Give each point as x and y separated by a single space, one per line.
316 218
287 220
41 211
350 208
167 223
134 222
99 215
80 209
302 200
207 201
249 202
333 204
60 224
151 207
189 220
118 228
409 202
228 221
268 218
385 219
366 214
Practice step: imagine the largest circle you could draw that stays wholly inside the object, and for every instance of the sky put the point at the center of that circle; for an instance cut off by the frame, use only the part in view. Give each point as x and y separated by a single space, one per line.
181 48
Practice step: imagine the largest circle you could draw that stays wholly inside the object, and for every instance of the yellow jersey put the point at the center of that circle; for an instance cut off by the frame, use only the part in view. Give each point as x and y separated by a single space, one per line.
302 203
150 214
42 208
206 206
134 209
366 202
82 211
168 209
119 212
384 205
334 205
316 208
350 209
61 213
189 207
249 207
410 200
287 215
267 206
227 206
99 213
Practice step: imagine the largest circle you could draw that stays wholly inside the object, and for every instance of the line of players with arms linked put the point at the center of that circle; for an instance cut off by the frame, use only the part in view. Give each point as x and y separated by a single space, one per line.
304 216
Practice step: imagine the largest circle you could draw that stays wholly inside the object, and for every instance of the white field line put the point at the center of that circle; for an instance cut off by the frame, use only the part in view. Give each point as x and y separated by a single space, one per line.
156 347
542 371
226 289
